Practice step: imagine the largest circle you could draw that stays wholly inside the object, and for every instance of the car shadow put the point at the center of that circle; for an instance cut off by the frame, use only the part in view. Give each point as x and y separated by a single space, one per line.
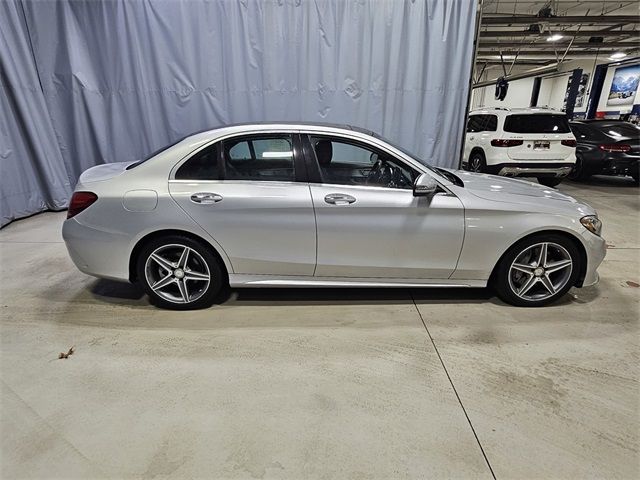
125 293
605 181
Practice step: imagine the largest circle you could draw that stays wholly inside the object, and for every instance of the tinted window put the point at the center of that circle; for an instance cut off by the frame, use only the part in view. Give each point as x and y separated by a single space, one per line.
492 123
201 166
350 163
537 123
475 123
263 157
482 123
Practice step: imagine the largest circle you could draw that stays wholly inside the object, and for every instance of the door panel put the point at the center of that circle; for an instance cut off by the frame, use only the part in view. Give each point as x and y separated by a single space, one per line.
386 232
264 227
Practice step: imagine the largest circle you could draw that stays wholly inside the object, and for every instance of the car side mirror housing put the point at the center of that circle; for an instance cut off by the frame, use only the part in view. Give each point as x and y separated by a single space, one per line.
424 185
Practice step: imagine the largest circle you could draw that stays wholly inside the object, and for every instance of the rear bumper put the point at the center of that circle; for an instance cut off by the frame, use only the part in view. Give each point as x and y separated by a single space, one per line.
536 171
97 252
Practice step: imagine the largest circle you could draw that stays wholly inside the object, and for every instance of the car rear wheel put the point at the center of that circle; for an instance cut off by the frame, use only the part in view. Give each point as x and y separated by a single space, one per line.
579 172
477 163
549 181
537 271
179 273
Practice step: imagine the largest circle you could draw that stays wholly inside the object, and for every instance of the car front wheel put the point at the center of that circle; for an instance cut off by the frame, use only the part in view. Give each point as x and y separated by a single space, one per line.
537 271
179 273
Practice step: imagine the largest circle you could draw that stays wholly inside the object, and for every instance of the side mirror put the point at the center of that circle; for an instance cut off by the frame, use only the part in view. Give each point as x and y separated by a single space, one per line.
424 185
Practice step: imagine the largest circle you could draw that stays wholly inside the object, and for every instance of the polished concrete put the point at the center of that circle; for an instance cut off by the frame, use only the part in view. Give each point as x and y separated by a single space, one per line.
319 384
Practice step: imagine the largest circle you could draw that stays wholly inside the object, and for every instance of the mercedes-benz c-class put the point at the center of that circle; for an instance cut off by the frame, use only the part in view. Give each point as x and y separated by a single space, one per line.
299 205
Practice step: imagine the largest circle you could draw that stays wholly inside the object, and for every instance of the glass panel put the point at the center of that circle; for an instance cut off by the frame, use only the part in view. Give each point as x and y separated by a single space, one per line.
201 166
264 158
536 123
346 163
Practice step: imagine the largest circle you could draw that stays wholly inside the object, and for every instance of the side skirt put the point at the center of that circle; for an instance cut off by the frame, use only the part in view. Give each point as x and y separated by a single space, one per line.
273 281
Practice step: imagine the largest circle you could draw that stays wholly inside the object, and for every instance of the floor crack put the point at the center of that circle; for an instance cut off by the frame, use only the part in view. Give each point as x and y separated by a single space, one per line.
464 410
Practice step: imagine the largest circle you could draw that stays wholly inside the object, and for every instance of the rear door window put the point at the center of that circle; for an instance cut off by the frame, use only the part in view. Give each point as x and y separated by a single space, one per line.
267 157
536 123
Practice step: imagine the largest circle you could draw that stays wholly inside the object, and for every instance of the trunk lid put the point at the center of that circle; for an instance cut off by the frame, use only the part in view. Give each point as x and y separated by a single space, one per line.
100 173
541 135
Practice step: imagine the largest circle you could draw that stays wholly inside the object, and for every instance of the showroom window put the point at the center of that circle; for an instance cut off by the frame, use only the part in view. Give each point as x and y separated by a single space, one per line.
344 162
201 166
264 157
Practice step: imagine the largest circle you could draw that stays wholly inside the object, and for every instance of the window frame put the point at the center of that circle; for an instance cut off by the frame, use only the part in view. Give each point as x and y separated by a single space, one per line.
192 155
299 165
313 166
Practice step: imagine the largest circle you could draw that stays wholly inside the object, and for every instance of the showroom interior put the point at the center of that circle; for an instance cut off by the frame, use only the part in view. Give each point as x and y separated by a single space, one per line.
507 113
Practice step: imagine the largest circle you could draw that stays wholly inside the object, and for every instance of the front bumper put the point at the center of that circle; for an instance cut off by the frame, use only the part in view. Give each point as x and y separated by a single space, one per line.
596 248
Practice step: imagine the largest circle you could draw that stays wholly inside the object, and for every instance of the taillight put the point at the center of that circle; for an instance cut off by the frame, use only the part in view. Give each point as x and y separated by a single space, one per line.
616 147
506 143
79 202
569 143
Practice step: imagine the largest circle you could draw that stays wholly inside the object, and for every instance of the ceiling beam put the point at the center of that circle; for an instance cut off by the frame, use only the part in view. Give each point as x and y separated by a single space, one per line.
545 54
559 44
569 33
562 20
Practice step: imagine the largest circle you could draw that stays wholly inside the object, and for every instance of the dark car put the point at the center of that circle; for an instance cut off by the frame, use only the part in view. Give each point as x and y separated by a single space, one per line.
605 147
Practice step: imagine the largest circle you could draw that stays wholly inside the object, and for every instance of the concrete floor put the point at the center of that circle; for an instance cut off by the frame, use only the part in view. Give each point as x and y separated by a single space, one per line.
319 384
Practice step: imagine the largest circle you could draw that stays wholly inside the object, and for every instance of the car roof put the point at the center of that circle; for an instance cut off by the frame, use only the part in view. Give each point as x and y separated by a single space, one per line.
284 125
519 110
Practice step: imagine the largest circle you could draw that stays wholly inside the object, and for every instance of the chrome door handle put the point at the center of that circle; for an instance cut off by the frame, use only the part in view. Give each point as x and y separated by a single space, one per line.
206 198
339 199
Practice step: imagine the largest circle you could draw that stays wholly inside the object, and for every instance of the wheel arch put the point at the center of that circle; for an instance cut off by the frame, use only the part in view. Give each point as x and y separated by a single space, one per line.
563 233
479 150
135 252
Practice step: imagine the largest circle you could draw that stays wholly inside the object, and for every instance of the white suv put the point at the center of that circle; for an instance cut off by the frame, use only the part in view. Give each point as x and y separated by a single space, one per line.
523 142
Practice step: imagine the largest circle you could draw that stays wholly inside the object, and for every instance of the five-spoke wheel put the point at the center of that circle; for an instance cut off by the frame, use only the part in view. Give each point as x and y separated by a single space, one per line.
537 270
180 273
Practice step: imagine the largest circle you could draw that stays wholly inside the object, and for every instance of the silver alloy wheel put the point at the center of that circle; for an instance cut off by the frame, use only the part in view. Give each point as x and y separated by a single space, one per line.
177 273
475 163
540 271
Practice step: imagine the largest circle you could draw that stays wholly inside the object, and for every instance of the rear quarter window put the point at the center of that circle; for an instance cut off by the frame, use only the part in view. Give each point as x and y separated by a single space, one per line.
537 123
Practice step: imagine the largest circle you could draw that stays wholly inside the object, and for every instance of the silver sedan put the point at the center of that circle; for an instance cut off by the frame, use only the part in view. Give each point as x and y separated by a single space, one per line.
297 205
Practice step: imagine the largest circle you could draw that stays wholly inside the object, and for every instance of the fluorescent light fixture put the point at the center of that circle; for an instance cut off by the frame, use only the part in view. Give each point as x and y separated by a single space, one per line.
505 57
554 38
617 56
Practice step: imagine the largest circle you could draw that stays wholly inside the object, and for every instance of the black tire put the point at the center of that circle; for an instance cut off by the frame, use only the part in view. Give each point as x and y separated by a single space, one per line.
200 261
477 162
550 181
580 172
505 280
636 178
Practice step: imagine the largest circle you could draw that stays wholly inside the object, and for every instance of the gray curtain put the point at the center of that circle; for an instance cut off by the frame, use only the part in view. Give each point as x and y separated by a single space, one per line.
93 82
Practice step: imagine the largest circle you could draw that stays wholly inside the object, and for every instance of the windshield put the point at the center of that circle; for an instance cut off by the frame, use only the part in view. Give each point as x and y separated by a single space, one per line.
404 150
536 123
621 130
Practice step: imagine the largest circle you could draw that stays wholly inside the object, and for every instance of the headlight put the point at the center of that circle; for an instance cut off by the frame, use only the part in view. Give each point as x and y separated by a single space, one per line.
592 223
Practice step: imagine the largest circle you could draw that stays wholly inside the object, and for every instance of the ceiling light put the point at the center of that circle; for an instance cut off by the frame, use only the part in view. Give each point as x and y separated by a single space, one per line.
554 38
617 56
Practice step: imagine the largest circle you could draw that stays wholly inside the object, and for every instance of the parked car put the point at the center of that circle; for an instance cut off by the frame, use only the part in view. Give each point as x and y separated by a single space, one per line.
606 147
523 142
297 205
